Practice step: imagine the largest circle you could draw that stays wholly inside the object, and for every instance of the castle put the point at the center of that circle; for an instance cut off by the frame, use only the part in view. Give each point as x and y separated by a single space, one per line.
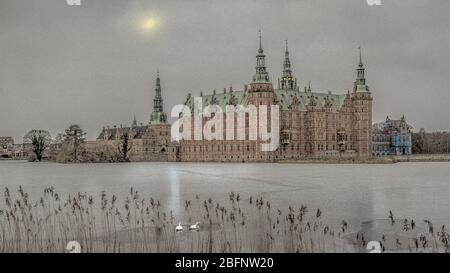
309 123
149 142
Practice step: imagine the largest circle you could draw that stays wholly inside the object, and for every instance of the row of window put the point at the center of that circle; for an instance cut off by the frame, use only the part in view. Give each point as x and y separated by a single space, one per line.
248 148
383 138
218 148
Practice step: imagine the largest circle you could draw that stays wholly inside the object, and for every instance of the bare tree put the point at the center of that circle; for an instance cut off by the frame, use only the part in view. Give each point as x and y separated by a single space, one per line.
40 141
59 139
431 142
73 145
125 146
418 143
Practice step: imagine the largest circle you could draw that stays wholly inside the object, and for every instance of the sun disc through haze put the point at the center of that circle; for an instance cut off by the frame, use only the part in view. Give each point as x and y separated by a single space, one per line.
149 24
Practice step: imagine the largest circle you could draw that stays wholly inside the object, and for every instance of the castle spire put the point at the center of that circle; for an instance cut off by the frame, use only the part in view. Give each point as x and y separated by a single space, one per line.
158 101
158 116
287 80
360 58
360 83
261 75
260 42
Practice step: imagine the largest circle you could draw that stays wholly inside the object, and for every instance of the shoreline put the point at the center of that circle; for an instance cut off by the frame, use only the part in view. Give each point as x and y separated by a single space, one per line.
373 160
324 160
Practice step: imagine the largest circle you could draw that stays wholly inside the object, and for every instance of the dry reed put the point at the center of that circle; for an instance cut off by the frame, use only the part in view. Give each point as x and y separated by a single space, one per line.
138 224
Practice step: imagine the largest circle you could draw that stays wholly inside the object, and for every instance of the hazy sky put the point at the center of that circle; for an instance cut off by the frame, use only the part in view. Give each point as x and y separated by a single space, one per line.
94 65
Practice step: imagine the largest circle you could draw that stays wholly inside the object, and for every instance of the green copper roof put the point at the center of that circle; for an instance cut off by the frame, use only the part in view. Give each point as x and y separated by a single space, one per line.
362 88
158 118
223 99
284 97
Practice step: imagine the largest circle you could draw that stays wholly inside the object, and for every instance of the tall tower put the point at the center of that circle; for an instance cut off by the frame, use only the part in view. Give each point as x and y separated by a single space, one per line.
287 80
261 94
360 83
261 81
363 111
158 116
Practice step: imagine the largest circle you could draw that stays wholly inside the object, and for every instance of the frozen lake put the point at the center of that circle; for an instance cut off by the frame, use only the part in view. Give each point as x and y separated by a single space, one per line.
355 193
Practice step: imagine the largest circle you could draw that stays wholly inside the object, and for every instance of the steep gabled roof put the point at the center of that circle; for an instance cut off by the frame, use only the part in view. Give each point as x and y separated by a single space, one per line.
113 133
284 98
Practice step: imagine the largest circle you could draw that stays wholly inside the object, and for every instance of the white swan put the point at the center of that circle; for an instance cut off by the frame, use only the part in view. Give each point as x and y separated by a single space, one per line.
73 247
195 227
179 227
